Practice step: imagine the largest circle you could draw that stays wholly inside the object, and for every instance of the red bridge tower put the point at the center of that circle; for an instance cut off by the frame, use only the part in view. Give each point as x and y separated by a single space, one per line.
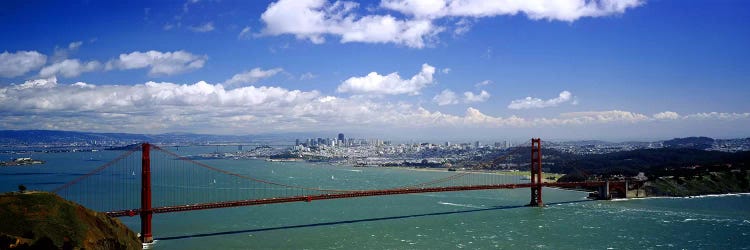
146 212
536 173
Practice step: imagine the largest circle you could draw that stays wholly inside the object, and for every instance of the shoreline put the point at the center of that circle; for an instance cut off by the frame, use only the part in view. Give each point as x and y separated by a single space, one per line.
683 197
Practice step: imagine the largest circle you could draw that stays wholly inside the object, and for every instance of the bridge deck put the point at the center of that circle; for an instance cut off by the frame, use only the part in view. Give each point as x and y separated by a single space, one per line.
343 195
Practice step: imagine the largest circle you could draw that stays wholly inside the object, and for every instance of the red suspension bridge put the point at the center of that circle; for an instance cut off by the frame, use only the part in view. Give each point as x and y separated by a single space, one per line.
166 182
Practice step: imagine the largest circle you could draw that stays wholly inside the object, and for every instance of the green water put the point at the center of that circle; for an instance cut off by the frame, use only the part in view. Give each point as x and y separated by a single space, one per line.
489 219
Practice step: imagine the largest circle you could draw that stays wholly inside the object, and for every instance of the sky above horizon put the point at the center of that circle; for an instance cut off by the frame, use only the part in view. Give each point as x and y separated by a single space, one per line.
400 69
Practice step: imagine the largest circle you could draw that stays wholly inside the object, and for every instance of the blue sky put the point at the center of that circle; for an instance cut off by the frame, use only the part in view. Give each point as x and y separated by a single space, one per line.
567 69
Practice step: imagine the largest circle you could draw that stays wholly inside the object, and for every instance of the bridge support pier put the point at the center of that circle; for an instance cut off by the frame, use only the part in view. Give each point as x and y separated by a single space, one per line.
604 192
536 173
146 212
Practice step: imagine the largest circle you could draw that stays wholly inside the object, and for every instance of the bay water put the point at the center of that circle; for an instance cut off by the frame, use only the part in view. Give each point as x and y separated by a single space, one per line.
490 219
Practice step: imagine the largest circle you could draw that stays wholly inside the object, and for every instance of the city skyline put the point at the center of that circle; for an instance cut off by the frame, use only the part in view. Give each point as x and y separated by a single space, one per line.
565 70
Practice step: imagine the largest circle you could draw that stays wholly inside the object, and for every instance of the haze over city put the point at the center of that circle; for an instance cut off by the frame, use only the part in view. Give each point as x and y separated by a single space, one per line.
614 70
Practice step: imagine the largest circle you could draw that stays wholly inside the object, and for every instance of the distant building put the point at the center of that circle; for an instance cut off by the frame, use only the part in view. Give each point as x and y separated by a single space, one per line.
341 137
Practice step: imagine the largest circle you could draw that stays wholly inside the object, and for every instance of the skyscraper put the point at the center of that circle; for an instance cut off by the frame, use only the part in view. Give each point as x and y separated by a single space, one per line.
341 137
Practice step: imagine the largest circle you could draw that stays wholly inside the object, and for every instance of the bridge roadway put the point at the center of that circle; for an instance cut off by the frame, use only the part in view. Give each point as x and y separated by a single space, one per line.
352 194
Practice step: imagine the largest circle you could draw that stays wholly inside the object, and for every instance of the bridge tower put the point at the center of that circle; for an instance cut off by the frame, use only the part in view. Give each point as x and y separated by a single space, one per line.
536 173
146 236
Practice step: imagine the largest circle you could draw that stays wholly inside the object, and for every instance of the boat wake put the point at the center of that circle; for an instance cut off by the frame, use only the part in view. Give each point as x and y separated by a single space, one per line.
459 205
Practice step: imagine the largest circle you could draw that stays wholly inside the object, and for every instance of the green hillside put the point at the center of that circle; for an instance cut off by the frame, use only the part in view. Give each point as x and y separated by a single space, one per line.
40 220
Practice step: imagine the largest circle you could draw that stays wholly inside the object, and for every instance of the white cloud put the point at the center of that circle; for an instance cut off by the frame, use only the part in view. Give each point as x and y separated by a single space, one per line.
206 27
717 116
598 117
69 68
20 62
244 34
666 115
47 95
446 97
63 53
390 84
446 70
314 19
159 63
251 76
561 10
307 76
530 102
75 45
155 107
36 83
483 83
470 97
83 85
462 26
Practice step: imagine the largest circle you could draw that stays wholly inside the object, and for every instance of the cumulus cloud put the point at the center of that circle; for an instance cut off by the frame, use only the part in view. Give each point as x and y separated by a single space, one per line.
206 27
46 95
561 10
159 63
470 97
20 62
205 107
445 97
391 84
251 76
717 115
69 68
314 19
34 84
667 115
600 116
530 102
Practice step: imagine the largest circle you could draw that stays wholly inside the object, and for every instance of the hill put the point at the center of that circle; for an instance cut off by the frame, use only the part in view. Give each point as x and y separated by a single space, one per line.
655 162
40 220
690 142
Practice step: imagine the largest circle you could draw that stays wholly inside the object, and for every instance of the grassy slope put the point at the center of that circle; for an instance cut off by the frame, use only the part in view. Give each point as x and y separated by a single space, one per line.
711 183
38 215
